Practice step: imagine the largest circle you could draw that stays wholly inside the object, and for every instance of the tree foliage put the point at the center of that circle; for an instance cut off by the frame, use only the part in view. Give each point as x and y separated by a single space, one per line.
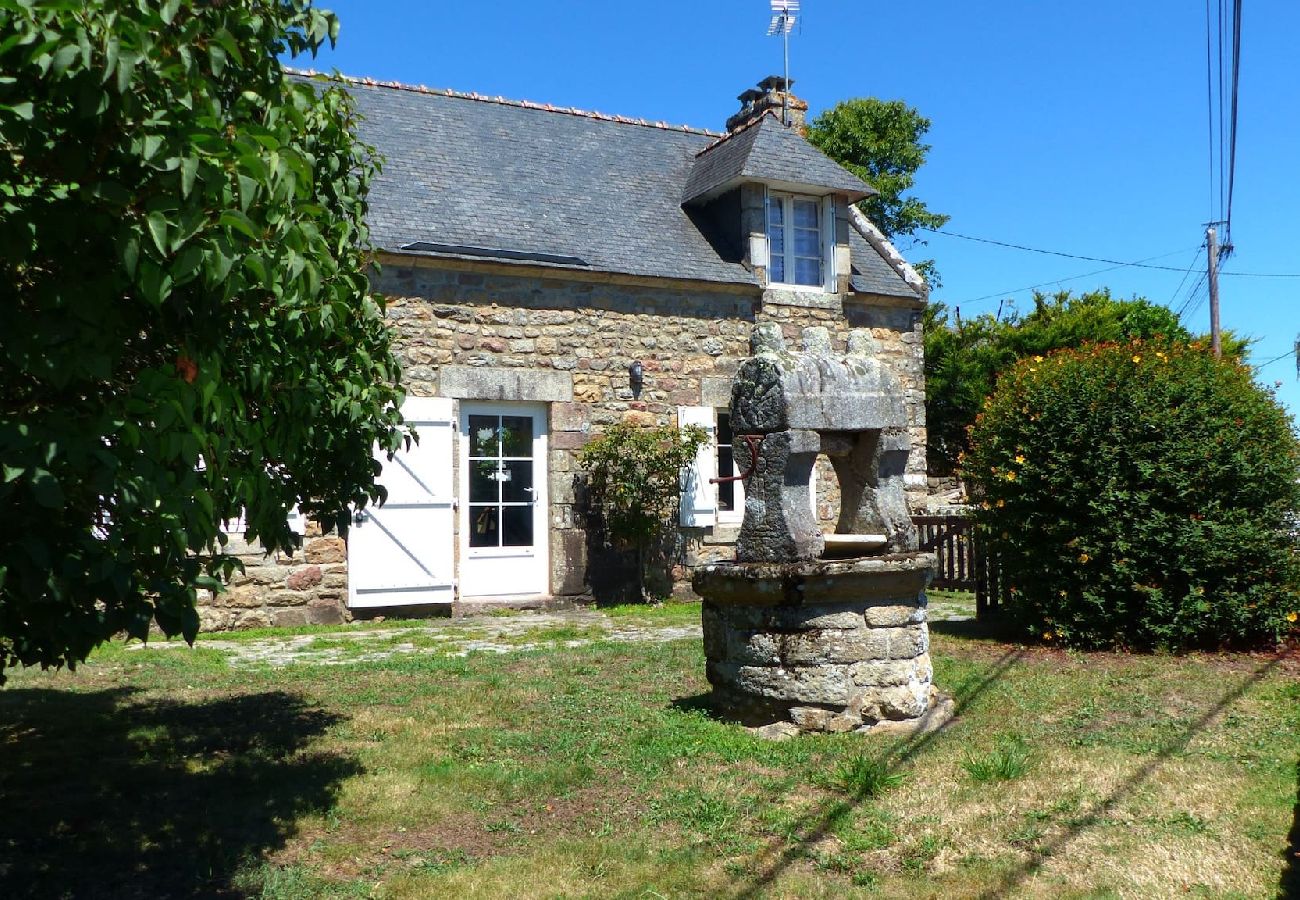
187 331
1140 494
963 357
634 481
882 142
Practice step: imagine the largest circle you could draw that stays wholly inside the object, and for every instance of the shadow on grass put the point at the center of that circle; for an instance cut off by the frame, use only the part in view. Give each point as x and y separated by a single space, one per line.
813 827
817 824
106 796
1102 809
1290 886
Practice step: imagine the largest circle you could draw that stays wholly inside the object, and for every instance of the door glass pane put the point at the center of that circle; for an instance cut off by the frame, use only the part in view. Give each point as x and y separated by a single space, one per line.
517 526
807 271
484 526
517 436
483 481
482 435
517 481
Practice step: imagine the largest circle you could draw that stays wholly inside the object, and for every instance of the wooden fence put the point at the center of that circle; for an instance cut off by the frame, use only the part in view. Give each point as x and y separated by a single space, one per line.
964 563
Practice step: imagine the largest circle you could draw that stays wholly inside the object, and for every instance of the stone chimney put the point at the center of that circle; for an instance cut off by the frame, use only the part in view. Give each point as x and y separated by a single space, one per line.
772 94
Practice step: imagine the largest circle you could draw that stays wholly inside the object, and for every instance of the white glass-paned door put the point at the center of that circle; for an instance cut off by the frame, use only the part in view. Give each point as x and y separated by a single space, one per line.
503 500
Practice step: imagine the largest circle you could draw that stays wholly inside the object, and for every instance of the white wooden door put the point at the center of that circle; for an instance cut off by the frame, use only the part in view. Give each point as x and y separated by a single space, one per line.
402 553
503 526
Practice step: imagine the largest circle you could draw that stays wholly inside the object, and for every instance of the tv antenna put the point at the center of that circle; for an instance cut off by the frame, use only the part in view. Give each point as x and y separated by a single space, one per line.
784 14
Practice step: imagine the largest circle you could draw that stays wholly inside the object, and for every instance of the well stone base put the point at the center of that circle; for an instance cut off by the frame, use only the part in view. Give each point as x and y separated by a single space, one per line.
824 646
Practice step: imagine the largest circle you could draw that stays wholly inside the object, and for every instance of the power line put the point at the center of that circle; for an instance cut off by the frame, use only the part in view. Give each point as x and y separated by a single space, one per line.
1236 80
1185 274
1193 297
1196 299
1222 72
1118 263
1002 294
1275 359
1209 104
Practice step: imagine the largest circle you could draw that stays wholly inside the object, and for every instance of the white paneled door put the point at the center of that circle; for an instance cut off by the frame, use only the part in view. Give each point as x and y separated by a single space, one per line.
402 553
503 502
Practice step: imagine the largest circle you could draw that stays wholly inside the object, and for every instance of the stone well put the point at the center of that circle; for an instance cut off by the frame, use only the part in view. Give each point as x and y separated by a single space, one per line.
796 641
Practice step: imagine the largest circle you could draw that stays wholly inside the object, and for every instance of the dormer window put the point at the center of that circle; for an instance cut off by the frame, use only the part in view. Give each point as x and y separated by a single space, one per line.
795 241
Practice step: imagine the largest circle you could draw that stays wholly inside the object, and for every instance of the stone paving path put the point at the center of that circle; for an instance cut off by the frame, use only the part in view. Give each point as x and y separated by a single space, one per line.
346 645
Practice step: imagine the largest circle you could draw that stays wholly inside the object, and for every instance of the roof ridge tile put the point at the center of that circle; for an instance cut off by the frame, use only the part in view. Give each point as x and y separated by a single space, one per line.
722 139
503 101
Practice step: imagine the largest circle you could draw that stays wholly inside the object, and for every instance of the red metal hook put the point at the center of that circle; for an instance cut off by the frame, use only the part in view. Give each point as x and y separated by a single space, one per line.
753 440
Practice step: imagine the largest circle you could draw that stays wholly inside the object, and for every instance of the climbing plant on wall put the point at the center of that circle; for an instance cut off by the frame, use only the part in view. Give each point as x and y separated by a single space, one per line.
634 482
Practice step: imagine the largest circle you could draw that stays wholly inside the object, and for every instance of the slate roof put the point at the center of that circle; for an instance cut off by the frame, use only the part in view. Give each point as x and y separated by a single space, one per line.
765 150
871 274
470 175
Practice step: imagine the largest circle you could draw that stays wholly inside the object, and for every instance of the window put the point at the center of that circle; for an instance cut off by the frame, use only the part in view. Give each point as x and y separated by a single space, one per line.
731 494
794 240
705 504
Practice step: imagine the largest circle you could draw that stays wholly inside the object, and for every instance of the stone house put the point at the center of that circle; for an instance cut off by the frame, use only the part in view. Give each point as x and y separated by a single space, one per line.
550 271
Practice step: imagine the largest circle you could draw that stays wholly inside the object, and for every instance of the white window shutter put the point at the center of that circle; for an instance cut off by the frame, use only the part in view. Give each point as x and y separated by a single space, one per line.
812 493
403 553
700 498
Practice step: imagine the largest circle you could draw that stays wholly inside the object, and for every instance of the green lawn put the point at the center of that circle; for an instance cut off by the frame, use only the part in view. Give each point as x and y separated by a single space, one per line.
594 771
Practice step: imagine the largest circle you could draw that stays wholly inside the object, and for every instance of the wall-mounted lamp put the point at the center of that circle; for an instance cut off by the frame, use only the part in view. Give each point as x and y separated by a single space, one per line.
636 375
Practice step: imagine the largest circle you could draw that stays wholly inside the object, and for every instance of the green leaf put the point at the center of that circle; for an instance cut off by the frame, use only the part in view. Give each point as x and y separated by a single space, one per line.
156 222
247 191
209 583
155 283
187 263
149 145
131 253
63 58
189 168
217 57
45 488
23 110
233 218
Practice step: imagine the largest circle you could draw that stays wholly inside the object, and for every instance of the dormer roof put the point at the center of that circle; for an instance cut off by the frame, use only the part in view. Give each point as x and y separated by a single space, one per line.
767 151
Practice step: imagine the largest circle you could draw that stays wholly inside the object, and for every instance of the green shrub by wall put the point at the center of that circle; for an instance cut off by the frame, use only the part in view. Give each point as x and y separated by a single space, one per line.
1140 495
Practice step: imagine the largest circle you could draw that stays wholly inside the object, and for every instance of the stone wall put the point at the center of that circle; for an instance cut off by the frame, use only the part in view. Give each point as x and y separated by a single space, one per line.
308 587
688 340
826 645
572 341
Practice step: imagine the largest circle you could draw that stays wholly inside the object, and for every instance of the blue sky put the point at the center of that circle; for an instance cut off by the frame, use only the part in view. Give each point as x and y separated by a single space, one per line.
1077 128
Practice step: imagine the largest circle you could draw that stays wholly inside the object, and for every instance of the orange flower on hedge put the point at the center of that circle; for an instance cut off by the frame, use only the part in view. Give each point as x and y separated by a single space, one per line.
1292 616
1083 557
1020 459
1137 359
1011 476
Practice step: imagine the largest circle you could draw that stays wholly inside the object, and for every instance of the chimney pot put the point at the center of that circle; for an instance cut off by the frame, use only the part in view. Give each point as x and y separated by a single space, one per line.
772 94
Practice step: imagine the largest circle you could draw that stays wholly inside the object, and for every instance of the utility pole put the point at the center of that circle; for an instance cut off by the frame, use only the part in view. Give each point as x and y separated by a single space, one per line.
1212 242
